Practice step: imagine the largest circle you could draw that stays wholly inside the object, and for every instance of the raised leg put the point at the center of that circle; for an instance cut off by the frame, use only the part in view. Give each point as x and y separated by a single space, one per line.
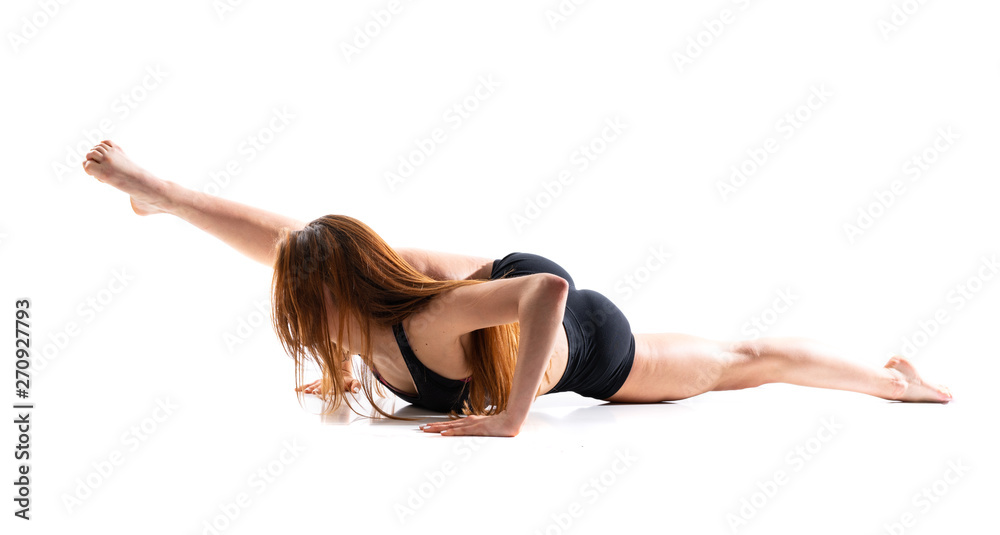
249 230
676 366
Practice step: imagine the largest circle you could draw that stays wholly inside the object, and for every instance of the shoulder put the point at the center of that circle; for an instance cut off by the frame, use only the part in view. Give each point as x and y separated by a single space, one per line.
447 266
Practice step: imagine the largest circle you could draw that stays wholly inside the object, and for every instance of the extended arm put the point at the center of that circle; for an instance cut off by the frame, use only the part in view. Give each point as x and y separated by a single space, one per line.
537 302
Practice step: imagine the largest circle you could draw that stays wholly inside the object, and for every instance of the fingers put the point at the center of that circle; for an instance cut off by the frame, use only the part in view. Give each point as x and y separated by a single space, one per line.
309 388
315 387
448 423
494 426
463 427
352 385
451 427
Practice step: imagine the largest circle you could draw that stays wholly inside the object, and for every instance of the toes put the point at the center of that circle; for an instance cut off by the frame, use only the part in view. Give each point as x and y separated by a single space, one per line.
108 143
95 155
102 149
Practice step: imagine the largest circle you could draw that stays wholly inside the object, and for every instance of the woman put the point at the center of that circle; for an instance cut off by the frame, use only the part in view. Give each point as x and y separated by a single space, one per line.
476 335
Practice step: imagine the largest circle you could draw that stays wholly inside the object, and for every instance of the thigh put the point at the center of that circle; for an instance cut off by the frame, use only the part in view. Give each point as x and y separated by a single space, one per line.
673 366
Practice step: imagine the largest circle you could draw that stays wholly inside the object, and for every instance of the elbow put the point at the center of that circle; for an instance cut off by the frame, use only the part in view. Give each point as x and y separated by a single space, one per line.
544 292
552 287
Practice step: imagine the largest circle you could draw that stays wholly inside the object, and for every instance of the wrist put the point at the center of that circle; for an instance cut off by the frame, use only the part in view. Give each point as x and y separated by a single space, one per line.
516 413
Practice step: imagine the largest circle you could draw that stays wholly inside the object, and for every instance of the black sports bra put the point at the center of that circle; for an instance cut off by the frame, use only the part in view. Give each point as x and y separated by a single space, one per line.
434 392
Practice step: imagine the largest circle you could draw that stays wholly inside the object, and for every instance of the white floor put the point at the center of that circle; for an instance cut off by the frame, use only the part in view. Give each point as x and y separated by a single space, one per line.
778 459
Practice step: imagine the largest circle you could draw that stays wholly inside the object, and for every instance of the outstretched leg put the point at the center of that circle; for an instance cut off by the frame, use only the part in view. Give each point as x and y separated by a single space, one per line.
251 231
676 366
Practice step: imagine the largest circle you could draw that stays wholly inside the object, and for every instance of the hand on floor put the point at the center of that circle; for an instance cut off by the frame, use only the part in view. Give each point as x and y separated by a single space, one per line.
500 425
350 385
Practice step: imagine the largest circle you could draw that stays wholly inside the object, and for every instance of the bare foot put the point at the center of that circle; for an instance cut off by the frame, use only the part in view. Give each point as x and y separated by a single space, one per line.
913 388
108 163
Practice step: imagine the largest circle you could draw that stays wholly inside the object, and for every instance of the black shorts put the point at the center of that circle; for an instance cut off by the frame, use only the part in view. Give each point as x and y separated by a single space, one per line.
600 339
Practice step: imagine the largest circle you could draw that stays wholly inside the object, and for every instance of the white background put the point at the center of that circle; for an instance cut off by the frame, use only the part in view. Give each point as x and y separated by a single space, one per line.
162 337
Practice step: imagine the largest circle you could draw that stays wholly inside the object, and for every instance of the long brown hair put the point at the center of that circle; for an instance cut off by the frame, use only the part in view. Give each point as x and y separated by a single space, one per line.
371 285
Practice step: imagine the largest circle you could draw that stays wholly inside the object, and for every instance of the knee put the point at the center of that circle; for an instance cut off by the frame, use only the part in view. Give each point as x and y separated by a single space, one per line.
719 368
747 349
747 365
751 356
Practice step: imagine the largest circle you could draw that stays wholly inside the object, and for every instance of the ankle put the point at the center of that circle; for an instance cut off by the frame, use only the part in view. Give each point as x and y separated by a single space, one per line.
172 196
897 383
